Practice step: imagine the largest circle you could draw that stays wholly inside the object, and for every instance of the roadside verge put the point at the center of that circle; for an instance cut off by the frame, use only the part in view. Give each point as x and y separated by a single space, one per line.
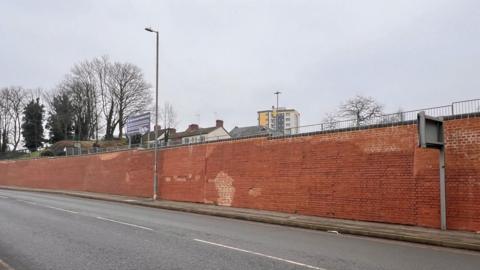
452 239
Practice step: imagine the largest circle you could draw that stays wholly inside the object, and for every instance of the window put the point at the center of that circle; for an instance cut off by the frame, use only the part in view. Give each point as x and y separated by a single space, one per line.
186 140
202 138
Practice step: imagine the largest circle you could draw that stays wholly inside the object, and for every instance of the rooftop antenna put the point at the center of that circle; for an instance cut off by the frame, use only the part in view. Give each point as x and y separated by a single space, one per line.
277 94
198 118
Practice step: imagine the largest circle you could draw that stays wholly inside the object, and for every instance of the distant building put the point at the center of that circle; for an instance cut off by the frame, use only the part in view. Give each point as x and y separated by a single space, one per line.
150 136
193 134
242 132
196 134
288 120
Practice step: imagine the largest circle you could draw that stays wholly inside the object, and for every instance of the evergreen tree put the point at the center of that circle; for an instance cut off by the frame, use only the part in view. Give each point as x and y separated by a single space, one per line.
32 128
60 121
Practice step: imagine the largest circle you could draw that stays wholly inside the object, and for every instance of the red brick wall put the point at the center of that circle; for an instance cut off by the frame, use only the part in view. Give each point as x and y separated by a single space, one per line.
463 173
126 173
373 174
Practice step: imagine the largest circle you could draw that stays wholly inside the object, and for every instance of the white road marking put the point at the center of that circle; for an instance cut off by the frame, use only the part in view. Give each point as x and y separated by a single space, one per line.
124 223
24 201
3 197
46 206
60 209
33 203
260 254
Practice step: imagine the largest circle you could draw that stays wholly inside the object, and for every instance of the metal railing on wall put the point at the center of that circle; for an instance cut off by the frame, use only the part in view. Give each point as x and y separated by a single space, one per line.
466 108
75 151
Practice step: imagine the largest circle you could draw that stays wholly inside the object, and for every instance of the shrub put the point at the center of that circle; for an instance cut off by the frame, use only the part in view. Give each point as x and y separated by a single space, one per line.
47 153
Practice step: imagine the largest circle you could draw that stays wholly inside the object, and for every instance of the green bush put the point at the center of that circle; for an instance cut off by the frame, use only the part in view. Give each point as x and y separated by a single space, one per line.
61 153
47 153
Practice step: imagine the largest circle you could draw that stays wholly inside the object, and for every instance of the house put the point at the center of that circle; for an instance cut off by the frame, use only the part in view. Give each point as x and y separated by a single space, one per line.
251 131
150 136
196 134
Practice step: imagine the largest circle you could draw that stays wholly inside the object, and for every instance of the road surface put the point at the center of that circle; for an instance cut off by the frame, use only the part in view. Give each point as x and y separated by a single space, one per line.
44 231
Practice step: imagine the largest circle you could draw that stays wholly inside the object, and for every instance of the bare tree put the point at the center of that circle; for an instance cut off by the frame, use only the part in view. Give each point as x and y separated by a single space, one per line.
12 102
17 100
168 115
33 94
103 72
80 85
361 109
130 91
330 121
5 108
393 117
104 92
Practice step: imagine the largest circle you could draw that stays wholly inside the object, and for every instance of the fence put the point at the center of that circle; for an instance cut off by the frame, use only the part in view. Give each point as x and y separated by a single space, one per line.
461 109
141 146
465 108
15 154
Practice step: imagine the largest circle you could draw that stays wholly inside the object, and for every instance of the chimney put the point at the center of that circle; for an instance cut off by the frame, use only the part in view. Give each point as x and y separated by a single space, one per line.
157 127
192 127
219 123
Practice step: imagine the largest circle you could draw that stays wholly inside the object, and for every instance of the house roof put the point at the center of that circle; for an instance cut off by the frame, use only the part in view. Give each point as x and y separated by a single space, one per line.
239 132
196 132
145 137
281 109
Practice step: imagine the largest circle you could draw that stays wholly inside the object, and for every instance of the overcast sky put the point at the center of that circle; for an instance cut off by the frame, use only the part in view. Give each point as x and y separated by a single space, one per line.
224 59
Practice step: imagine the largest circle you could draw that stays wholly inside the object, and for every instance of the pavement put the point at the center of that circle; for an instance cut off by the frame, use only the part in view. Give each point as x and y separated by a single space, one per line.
54 231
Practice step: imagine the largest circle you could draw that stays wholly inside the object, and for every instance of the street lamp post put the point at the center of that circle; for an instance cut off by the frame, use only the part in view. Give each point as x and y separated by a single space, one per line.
276 113
155 166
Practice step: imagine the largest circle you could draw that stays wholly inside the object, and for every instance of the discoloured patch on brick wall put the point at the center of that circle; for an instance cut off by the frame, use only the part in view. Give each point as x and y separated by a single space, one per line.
225 189
6 161
381 147
109 156
255 192
179 178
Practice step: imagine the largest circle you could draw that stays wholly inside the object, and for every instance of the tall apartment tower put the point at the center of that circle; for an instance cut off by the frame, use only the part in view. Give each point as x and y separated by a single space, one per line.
288 120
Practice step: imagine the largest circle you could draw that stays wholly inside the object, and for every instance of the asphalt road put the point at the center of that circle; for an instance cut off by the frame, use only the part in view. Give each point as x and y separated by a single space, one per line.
43 231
